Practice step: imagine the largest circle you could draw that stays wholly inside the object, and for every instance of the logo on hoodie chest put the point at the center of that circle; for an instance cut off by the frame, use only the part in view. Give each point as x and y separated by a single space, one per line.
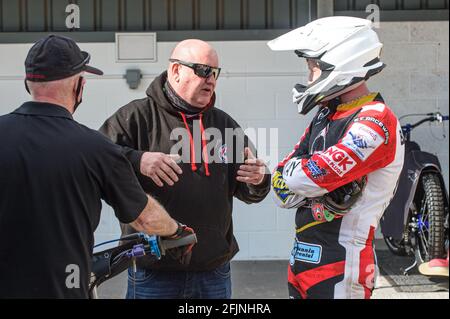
222 153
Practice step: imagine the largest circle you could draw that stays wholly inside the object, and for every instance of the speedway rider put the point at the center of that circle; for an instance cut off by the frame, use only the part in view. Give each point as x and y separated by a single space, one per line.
343 172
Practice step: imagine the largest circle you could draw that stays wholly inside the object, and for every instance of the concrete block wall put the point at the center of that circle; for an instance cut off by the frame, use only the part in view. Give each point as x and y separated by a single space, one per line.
416 79
255 89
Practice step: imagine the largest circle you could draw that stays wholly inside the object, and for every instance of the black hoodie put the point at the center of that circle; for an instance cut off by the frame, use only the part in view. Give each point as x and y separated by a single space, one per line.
203 196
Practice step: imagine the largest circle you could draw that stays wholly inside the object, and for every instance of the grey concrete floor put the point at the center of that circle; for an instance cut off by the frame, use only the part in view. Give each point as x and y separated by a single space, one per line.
267 280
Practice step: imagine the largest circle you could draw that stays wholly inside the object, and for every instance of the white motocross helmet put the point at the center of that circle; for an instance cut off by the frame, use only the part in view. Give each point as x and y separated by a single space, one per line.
346 49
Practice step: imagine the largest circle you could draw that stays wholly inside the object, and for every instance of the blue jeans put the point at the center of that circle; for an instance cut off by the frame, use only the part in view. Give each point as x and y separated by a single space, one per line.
153 284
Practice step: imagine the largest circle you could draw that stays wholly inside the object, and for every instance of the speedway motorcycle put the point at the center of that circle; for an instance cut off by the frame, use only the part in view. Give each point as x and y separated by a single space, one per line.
416 221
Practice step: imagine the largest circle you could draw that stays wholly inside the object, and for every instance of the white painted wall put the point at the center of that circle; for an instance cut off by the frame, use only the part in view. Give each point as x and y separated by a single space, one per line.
255 88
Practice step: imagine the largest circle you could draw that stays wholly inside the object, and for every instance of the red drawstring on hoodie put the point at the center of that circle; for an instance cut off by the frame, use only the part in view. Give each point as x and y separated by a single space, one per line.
192 146
205 153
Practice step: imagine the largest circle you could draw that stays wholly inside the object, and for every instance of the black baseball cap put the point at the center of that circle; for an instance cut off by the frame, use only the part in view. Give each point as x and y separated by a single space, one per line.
56 57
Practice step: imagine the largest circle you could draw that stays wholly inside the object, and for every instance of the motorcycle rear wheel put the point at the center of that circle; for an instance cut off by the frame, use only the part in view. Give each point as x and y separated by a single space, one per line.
432 239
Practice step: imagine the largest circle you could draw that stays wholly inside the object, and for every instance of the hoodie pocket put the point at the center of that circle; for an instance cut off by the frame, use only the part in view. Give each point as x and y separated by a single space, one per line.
212 248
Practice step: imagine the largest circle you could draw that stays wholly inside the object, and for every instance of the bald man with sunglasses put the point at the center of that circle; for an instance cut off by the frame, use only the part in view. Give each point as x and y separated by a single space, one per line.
193 174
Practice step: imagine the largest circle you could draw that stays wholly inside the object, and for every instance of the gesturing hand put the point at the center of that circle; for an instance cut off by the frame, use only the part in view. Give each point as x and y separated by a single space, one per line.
253 171
161 167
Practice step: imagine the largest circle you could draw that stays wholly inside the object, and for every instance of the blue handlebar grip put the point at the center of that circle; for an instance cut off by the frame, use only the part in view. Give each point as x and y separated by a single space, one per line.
445 117
153 244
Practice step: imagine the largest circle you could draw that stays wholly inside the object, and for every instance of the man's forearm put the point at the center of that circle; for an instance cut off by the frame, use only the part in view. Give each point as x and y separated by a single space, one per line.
155 220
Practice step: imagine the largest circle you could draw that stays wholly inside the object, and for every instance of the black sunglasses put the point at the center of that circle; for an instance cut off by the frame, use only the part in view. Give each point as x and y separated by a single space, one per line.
201 70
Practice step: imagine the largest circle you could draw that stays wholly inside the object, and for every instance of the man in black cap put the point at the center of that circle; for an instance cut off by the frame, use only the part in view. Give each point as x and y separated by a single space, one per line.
54 173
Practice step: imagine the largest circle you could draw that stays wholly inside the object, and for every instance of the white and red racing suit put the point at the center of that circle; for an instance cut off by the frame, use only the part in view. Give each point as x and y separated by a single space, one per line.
335 259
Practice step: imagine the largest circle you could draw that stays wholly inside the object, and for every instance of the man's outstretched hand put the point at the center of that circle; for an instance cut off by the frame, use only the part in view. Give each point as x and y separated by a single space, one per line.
161 167
253 170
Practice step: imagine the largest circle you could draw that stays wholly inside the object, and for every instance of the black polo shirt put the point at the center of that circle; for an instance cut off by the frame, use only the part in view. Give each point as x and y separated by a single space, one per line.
53 174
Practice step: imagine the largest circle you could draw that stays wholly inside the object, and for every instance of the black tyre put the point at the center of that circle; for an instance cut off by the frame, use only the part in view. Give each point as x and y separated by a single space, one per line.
396 246
431 230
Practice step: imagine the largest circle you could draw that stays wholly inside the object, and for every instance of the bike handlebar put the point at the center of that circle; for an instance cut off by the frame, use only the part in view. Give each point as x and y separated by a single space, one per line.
109 263
174 243
431 117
